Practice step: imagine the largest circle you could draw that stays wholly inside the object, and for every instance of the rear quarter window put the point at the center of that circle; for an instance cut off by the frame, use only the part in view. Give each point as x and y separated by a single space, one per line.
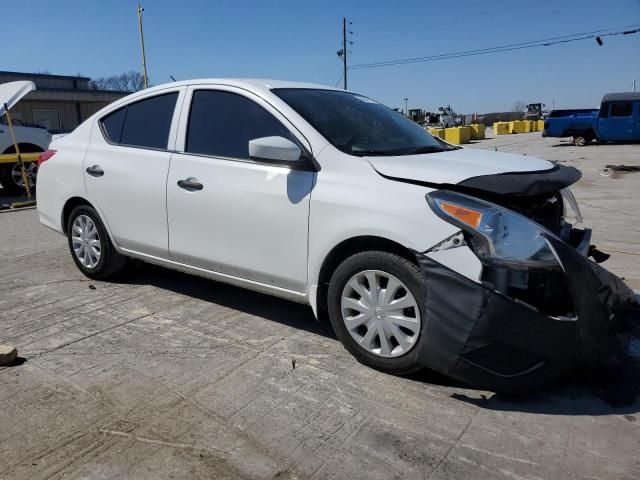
112 125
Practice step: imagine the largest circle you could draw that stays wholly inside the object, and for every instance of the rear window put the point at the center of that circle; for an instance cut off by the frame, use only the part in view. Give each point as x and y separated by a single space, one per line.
142 124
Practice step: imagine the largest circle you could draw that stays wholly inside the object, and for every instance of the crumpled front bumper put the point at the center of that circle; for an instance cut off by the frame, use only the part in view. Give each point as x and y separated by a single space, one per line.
484 338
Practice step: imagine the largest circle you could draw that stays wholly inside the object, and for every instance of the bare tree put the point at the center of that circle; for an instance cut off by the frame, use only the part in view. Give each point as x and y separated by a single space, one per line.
519 106
125 82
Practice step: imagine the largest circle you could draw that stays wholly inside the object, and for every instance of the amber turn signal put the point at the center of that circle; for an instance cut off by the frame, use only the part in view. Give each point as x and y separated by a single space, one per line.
465 215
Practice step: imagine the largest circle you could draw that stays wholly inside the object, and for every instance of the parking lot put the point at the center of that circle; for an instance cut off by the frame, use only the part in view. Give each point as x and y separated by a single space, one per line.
165 375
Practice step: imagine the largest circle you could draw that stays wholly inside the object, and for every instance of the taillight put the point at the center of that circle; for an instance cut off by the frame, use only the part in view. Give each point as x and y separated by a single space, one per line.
44 156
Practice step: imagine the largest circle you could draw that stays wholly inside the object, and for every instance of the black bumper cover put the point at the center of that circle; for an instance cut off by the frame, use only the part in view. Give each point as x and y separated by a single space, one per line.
486 339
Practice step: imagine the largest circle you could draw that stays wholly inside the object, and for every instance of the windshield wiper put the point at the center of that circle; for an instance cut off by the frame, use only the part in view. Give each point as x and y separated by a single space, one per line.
399 151
366 153
425 149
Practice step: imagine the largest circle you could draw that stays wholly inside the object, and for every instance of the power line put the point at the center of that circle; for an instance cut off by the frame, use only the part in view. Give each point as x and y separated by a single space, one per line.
597 34
331 73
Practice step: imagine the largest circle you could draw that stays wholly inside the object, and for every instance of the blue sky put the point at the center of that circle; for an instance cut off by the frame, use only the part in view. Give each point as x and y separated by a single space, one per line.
297 40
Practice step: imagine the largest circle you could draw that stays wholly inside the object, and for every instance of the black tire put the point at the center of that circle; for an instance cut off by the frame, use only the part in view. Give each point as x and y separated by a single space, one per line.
5 173
9 186
405 271
110 262
581 140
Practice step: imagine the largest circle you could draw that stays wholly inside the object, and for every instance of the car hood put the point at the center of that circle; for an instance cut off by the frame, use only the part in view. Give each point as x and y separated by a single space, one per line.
12 92
478 170
454 166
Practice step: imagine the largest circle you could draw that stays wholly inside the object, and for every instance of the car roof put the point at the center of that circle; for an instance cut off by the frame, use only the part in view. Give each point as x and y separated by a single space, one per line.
261 84
621 97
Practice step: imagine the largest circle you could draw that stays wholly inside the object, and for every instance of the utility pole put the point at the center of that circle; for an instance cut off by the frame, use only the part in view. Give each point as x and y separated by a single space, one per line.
144 58
342 53
406 109
344 50
634 85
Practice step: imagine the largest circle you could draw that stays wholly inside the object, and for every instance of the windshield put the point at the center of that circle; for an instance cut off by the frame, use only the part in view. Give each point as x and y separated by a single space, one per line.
358 125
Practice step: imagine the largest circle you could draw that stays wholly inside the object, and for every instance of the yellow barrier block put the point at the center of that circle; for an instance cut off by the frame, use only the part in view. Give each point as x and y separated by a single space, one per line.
477 131
437 132
501 128
13 158
517 126
465 134
452 135
540 125
457 135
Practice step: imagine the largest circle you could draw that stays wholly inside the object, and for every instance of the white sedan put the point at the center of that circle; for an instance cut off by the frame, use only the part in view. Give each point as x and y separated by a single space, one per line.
422 254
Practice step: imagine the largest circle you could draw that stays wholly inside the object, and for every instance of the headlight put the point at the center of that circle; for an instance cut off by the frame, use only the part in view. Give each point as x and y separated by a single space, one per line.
571 209
499 236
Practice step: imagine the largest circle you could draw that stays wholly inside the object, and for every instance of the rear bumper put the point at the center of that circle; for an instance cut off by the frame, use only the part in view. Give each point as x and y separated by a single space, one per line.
484 338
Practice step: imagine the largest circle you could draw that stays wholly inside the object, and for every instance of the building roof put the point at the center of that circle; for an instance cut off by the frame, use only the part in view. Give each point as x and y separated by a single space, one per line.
42 75
621 97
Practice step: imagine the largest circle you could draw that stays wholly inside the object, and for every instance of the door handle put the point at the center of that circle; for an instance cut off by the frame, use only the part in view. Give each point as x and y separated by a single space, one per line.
190 184
95 171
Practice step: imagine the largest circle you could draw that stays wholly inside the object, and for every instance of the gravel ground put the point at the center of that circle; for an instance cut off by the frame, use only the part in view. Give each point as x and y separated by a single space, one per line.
164 375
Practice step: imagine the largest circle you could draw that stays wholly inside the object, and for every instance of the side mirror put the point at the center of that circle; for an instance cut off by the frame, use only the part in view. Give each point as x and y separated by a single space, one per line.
274 148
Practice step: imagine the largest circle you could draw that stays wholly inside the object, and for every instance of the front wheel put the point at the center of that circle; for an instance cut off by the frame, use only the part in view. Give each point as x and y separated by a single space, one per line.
90 245
376 306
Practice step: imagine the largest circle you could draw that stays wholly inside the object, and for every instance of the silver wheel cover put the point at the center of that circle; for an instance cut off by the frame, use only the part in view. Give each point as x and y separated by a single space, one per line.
380 313
85 241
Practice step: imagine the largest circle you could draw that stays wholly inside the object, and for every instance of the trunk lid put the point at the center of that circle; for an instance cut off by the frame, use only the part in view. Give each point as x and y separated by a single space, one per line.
12 92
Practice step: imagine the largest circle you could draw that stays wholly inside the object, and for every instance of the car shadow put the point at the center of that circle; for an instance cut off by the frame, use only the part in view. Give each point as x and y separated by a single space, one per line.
8 198
258 304
582 393
613 393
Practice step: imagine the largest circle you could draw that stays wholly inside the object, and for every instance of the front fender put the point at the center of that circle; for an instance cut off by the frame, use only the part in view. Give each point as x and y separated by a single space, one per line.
373 207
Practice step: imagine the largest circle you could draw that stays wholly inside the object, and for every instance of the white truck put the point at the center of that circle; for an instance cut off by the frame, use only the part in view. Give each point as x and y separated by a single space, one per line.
447 117
29 139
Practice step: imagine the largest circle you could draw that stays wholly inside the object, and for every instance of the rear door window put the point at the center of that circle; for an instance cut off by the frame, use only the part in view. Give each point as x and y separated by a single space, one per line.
621 109
142 124
222 123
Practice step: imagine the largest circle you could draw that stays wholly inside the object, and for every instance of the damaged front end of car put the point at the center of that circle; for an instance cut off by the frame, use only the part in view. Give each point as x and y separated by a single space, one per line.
528 305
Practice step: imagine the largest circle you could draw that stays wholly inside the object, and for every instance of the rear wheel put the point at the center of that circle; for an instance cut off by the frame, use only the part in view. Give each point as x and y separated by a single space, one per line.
90 246
581 140
12 181
376 301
